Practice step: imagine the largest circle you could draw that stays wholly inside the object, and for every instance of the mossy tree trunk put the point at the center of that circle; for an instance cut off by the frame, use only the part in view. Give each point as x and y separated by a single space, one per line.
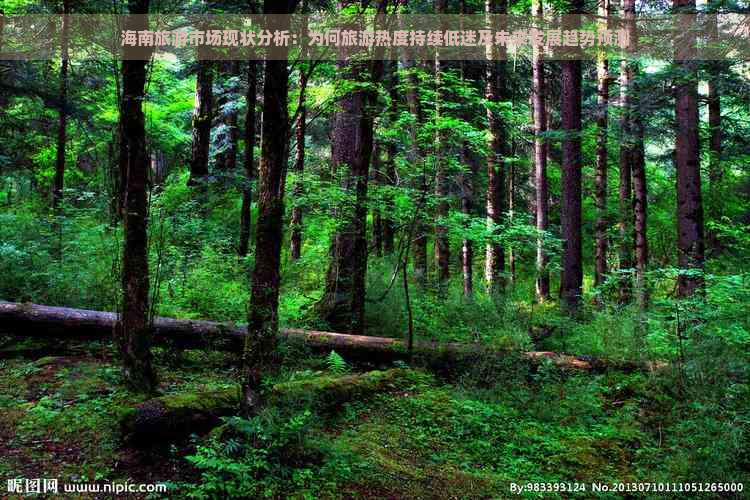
260 343
133 332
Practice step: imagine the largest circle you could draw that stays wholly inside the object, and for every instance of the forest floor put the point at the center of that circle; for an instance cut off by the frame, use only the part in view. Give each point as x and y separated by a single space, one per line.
466 439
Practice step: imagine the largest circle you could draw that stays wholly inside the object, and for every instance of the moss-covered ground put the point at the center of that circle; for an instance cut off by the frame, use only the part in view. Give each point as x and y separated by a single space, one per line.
465 438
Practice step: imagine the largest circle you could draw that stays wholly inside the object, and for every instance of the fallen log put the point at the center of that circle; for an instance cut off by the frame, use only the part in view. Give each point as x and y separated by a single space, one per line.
174 417
32 320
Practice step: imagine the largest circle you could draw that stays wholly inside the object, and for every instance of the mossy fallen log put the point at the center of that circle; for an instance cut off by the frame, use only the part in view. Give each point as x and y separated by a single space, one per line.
173 417
32 320
34 348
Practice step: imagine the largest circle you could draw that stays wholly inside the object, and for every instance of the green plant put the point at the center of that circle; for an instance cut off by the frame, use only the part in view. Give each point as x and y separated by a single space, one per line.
265 456
336 364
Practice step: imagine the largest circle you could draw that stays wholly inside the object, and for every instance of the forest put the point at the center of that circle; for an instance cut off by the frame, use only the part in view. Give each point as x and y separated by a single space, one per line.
340 277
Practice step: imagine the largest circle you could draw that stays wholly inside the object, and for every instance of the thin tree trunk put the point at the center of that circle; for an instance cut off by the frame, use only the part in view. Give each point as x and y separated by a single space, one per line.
249 160
511 217
467 208
715 169
690 242
495 92
295 239
640 210
133 332
202 116
714 125
390 173
540 163
122 150
226 139
263 320
442 246
419 242
715 173
57 190
627 154
600 264
571 280
377 212
233 120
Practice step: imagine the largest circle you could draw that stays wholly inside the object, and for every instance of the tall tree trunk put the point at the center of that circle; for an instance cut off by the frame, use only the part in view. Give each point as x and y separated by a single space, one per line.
263 321
122 150
627 155
511 216
343 302
227 110
571 280
249 160
377 212
690 244
442 245
602 76
57 189
202 116
467 208
715 172
299 169
540 163
714 125
419 241
133 332
640 210
715 169
495 92
389 178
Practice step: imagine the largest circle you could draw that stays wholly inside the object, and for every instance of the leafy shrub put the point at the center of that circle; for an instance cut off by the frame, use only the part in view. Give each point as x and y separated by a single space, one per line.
266 456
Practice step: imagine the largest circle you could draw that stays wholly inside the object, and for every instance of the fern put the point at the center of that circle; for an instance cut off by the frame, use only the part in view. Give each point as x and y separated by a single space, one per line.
336 364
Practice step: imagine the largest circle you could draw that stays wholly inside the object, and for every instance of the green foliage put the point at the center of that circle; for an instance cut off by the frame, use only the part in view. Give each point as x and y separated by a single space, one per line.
267 457
336 364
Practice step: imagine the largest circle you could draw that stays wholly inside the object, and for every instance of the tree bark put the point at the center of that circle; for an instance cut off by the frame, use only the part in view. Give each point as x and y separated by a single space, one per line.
343 303
227 139
511 217
202 117
602 156
714 125
627 155
442 245
540 163
295 239
690 243
377 212
571 280
715 173
57 189
467 208
640 211
249 160
419 241
45 321
495 93
389 179
715 168
264 297
133 332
